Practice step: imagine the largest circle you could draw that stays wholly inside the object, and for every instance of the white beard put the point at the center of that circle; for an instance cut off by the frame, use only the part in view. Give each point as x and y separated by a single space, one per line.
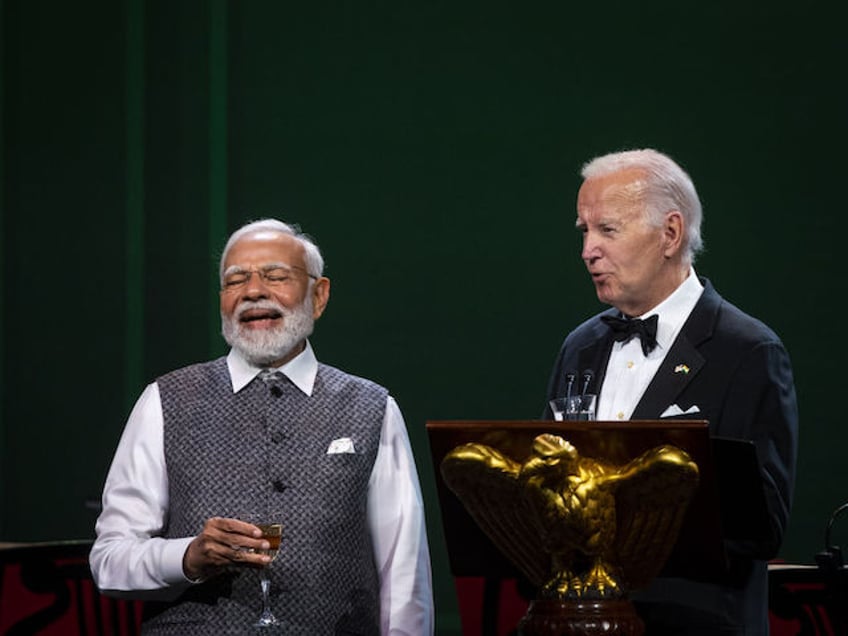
264 347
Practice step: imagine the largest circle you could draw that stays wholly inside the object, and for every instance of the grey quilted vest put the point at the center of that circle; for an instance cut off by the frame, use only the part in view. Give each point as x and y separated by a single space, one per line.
265 449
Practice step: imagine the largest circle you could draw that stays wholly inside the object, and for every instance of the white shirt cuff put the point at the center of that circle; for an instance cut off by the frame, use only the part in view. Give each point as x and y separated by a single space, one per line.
172 561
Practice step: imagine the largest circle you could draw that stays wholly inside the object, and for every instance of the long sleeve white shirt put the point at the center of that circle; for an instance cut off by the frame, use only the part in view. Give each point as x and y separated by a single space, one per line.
130 558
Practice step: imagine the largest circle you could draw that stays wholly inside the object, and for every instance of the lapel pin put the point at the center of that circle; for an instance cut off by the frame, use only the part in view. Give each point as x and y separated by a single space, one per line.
681 368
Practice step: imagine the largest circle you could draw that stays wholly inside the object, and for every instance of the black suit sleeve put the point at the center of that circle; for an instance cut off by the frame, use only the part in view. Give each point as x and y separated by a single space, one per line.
761 406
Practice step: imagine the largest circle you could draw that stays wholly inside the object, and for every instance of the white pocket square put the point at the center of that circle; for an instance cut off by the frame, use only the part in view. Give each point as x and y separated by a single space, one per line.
341 445
673 410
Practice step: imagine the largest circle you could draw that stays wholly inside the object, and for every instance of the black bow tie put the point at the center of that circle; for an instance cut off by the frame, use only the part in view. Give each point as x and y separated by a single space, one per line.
623 329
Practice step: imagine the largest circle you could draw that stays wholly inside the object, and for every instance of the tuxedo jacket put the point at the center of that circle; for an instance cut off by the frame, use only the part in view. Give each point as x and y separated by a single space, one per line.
737 372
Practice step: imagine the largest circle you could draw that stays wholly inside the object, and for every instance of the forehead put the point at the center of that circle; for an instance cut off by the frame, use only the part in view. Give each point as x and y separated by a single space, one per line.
263 247
615 193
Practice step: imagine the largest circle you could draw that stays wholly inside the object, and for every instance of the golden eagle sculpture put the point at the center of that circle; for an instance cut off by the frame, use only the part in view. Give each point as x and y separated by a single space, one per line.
576 527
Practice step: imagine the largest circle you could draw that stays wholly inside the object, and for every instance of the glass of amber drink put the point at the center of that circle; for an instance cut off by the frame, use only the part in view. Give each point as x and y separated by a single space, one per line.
272 533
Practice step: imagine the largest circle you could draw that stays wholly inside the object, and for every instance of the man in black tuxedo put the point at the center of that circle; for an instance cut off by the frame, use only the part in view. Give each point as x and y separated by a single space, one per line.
694 356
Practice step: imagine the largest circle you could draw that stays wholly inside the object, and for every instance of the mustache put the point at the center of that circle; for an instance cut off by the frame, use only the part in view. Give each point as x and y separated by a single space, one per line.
259 305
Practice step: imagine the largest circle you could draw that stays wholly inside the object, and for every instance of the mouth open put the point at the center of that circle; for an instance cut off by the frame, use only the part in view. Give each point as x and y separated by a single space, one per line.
259 318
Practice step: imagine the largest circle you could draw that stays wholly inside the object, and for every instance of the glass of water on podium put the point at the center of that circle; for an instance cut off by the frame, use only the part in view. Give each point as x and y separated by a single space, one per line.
574 407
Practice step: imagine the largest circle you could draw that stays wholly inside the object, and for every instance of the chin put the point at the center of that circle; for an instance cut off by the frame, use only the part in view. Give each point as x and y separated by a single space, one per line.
264 356
604 298
271 341
606 294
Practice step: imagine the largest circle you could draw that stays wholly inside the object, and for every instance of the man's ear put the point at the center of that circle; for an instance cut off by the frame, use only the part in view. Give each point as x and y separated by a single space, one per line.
320 296
672 233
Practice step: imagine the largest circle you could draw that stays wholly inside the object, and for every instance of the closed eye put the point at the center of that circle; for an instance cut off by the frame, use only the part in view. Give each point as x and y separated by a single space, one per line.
277 275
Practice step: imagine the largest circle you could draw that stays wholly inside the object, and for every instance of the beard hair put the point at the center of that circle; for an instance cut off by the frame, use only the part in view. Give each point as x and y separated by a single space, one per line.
264 347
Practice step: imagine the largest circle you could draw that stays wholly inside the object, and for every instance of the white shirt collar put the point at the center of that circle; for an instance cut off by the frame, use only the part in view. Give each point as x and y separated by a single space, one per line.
675 309
301 370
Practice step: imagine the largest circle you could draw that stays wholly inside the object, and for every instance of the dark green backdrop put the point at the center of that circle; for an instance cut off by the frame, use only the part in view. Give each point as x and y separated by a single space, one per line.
433 150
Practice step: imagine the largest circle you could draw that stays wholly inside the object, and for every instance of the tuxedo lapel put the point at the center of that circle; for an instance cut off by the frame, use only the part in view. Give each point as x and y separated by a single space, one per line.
595 357
683 360
679 368
591 351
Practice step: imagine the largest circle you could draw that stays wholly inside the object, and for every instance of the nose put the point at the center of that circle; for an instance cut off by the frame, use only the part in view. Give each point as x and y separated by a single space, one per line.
255 286
590 251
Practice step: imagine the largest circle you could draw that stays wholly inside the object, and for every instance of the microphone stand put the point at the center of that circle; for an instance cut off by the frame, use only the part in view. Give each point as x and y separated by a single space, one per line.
830 562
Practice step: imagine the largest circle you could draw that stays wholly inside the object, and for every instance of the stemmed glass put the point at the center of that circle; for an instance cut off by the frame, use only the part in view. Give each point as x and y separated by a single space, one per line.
272 533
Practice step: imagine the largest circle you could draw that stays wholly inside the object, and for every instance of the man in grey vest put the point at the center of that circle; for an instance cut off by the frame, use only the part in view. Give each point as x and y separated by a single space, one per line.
267 431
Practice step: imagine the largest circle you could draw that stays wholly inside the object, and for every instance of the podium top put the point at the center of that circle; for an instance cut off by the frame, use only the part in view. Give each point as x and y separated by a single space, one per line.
614 441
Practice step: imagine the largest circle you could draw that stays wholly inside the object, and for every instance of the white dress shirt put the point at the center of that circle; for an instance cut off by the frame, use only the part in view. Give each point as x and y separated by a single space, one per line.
129 559
629 370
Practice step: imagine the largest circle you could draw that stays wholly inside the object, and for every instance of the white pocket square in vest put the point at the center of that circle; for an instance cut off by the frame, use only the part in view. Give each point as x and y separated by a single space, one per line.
341 445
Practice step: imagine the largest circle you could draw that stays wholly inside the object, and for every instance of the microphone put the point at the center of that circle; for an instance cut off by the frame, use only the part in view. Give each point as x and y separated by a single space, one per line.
588 374
570 377
830 560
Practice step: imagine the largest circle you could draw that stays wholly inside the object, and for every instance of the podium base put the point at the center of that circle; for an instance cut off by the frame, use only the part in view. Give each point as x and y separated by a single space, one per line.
581 618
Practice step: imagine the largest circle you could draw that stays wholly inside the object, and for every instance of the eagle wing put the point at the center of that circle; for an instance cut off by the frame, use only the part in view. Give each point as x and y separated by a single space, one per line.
652 495
486 482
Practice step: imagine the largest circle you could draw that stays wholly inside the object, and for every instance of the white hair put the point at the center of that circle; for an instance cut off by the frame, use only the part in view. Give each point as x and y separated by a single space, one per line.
314 260
667 188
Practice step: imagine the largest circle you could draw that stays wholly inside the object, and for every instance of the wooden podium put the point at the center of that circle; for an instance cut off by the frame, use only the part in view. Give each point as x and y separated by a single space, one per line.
699 550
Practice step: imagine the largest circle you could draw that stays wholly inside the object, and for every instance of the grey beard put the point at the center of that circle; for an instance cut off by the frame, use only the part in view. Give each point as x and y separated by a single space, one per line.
263 347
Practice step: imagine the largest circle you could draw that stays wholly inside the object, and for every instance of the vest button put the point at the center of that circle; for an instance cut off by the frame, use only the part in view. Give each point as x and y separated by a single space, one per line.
276 437
279 486
276 391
